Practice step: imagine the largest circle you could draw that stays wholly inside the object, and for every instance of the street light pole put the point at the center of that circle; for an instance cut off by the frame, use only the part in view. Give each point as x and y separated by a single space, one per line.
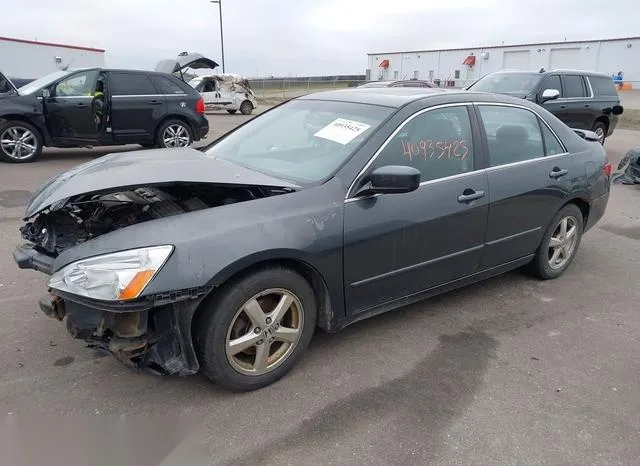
219 2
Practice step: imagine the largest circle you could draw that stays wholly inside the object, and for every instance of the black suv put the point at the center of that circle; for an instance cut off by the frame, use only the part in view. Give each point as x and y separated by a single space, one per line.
102 107
583 100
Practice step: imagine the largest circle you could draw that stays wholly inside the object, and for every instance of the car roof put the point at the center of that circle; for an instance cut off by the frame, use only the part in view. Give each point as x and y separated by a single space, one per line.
398 96
553 71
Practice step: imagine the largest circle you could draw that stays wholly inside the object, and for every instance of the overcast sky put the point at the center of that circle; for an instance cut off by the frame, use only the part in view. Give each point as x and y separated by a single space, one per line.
303 37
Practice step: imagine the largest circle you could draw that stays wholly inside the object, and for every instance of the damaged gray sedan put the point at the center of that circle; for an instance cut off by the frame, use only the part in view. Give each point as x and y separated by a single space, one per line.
320 212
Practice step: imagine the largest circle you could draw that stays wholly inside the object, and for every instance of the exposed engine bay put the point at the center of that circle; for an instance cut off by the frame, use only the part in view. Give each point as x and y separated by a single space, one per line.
87 216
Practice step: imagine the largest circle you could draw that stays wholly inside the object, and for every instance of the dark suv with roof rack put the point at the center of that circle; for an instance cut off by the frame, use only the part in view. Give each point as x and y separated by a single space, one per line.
581 99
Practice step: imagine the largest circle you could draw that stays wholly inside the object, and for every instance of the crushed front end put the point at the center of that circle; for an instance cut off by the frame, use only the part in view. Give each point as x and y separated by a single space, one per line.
148 335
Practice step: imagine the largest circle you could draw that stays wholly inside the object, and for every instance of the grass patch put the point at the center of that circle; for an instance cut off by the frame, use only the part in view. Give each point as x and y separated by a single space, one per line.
630 119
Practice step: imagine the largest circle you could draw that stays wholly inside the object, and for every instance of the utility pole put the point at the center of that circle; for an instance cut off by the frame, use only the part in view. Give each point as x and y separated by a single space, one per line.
219 2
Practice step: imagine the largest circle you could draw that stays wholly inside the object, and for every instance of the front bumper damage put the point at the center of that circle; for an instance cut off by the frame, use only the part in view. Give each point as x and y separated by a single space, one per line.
153 338
152 334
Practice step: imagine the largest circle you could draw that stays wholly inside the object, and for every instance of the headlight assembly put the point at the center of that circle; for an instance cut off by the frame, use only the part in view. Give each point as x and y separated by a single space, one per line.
119 276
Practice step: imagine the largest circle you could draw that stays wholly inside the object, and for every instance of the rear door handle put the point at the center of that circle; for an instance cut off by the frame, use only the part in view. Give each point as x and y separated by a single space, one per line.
558 172
470 195
155 102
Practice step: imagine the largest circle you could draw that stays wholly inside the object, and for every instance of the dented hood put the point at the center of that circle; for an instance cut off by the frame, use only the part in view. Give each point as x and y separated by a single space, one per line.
145 167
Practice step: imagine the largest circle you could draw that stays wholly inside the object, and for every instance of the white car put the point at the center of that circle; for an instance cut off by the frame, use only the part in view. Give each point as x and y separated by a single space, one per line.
228 92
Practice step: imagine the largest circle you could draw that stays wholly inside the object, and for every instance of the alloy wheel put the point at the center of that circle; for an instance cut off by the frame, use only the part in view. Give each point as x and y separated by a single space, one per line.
176 136
18 143
563 242
600 133
264 332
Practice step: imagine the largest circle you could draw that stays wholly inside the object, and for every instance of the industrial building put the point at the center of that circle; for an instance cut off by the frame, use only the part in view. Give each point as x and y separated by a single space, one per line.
30 59
461 67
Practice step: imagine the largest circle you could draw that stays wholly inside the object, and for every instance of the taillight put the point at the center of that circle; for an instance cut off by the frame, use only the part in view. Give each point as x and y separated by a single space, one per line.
607 169
200 106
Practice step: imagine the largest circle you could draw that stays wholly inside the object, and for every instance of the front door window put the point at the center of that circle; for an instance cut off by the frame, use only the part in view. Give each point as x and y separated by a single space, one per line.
77 85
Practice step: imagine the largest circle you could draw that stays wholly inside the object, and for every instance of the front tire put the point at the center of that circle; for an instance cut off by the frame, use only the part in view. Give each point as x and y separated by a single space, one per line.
231 111
173 134
20 142
256 330
559 244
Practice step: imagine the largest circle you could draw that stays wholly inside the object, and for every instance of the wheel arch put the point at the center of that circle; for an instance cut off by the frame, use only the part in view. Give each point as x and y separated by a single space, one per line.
327 319
580 200
605 120
44 133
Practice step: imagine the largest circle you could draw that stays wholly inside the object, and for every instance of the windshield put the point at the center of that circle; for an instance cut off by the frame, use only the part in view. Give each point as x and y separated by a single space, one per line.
38 84
304 141
507 83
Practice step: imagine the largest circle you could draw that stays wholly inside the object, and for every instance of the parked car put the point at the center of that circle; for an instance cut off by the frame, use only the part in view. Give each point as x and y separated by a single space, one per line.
228 92
7 87
100 107
404 83
325 210
581 99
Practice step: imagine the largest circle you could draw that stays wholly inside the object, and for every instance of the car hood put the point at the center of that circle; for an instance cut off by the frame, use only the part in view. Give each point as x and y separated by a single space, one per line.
189 60
145 167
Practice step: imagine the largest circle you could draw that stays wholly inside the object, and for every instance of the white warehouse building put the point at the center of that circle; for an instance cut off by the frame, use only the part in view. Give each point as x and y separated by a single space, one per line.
460 67
29 59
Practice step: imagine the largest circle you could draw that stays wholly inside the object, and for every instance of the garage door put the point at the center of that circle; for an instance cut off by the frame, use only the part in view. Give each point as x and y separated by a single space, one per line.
516 60
565 58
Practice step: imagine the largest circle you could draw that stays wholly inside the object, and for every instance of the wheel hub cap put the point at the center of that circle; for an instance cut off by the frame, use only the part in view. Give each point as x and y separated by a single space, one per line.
18 142
563 242
175 136
264 332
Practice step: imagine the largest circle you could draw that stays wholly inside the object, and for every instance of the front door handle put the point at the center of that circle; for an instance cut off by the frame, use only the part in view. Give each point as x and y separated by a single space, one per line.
557 173
470 195
81 104
155 102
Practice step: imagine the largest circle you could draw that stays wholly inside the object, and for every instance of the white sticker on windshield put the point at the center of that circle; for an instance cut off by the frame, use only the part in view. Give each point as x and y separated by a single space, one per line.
342 131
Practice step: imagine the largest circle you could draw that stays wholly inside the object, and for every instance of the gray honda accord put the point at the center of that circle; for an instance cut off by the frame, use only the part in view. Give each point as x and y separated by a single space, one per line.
325 210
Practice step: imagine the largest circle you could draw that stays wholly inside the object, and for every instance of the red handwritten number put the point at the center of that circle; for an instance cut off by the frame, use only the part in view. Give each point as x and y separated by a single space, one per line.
406 149
459 149
463 144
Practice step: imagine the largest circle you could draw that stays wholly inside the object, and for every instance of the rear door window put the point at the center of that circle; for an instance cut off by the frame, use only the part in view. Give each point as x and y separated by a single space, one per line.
131 84
603 86
513 134
574 86
166 85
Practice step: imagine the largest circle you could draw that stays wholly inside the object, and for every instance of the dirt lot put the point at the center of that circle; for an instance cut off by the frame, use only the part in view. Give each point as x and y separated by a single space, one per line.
510 371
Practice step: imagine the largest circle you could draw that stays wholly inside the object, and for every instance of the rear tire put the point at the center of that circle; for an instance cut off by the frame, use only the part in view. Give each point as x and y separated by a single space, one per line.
173 134
246 107
20 142
245 310
601 130
559 244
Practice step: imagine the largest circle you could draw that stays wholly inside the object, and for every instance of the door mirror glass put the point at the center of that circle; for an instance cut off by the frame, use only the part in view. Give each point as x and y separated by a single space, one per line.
45 93
617 110
549 94
392 179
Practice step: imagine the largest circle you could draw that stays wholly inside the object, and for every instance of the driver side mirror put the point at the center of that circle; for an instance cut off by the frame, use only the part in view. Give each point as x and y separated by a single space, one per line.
549 94
46 93
391 179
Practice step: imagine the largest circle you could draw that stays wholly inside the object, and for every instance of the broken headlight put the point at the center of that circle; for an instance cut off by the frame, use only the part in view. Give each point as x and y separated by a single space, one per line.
118 276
